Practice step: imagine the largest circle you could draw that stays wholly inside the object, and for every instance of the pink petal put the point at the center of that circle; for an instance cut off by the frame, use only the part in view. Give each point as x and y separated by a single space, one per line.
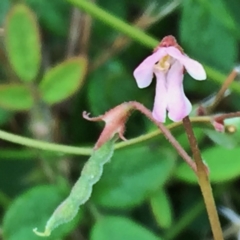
218 125
144 72
178 105
194 68
160 101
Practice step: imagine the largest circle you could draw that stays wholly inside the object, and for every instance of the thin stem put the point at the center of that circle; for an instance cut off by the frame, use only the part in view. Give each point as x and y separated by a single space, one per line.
144 21
227 115
220 95
219 78
168 135
74 32
203 181
115 22
138 35
44 145
146 137
86 151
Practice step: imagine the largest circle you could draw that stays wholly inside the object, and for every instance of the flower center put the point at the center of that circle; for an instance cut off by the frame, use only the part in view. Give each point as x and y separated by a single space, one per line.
164 63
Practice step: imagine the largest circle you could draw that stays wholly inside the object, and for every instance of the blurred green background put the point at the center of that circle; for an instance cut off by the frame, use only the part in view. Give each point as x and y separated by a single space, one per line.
59 58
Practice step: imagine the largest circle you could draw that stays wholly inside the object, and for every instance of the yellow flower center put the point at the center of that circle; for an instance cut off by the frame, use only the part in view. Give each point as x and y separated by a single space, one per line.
164 63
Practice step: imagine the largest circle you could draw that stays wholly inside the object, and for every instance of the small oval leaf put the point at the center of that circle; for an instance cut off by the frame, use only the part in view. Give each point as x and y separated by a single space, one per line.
225 140
32 208
63 80
161 208
118 228
22 42
133 175
15 97
81 191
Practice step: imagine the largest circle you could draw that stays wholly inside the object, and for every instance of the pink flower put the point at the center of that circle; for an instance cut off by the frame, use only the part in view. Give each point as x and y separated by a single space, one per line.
168 63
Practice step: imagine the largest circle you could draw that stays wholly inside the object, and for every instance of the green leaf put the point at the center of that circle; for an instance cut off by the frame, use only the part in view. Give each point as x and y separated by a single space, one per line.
111 85
225 140
200 31
119 228
232 128
82 189
133 175
32 209
4 116
63 80
22 42
219 10
223 164
15 97
161 208
4 6
232 8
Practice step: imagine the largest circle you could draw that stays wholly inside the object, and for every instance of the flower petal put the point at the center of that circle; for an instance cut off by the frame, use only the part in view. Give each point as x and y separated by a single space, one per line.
160 101
194 68
144 72
178 105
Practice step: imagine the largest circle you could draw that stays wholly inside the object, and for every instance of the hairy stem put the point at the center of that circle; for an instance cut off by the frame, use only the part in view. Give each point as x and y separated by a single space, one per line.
203 180
167 134
86 151
227 115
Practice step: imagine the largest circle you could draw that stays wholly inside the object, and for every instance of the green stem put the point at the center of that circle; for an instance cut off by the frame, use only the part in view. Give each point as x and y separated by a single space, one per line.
115 22
204 120
139 36
204 183
60 148
44 145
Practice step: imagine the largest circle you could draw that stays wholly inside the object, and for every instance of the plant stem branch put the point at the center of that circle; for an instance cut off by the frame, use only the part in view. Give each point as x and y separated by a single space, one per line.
204 182
86 151
144 21
115 22
168 135
220 95
138 35
227 115
44 145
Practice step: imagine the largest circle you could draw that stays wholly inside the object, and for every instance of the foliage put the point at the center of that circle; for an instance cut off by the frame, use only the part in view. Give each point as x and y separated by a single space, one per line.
57 61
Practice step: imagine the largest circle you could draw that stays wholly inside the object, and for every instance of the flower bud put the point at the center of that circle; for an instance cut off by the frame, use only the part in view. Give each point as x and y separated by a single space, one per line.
114 120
